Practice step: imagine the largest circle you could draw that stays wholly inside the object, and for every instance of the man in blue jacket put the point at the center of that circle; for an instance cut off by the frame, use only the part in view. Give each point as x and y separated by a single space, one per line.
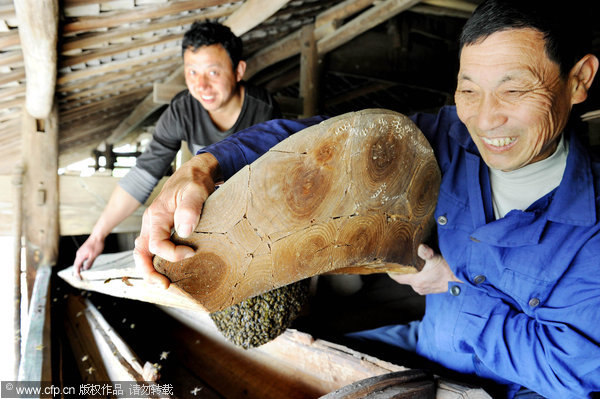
514 295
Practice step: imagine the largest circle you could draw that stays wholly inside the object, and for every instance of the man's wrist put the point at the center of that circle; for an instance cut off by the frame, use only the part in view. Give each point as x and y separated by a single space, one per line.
207 163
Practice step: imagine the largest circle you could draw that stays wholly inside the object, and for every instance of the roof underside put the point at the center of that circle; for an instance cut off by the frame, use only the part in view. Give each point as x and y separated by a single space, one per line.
111 53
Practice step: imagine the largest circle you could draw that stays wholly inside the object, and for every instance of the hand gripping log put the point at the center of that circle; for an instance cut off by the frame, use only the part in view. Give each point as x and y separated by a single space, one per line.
353 194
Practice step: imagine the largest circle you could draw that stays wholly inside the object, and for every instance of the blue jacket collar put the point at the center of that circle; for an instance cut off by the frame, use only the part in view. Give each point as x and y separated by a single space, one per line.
575 199
573 202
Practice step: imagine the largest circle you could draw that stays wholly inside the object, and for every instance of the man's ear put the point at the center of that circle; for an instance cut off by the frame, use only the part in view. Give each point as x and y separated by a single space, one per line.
240 70
581 77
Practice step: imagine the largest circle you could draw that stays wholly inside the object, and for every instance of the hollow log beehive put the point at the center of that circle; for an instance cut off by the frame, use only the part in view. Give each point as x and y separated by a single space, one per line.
353 194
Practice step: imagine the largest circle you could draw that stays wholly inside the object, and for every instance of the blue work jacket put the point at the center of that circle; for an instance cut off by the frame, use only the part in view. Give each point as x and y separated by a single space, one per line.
528 310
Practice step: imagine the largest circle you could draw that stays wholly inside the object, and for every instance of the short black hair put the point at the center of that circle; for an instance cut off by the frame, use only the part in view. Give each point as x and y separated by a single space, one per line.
205 33
564 24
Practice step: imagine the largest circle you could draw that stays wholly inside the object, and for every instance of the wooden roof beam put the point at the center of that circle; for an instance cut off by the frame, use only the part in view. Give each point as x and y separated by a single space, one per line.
290 45
252 13
38 31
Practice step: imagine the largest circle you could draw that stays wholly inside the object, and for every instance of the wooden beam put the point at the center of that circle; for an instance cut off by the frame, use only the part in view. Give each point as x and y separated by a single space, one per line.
457 5
38 31
362 23
328 21
143 110
290 45
252 13
284 48
116 275
309 71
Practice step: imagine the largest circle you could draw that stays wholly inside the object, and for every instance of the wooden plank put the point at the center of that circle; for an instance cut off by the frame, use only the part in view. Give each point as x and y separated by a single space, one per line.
329 20
112 19
14 76
84 199
252 13
11 58
17 220
313 366
309 71
362 23
35 359
116 275
409 384
38 32
101 346
118 49
154 57
97 38
108 102
591 115
164 66
9 39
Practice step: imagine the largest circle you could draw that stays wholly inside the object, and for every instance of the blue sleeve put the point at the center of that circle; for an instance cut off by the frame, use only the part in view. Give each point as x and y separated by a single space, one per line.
245 146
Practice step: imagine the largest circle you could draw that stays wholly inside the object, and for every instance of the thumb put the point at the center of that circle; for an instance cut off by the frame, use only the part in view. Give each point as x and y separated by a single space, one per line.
425 252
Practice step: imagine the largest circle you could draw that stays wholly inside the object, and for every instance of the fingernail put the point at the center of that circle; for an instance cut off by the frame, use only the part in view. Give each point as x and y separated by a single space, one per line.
184 230
189 253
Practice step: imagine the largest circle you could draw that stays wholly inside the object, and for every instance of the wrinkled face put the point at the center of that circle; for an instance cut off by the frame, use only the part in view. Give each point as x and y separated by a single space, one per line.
511 98
210 77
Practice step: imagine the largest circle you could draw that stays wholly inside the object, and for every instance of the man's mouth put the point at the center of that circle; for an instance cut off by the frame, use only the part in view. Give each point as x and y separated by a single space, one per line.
207 98
499 142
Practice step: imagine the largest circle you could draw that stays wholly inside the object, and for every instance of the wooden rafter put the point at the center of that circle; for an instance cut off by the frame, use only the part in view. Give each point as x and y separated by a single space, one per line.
98 38
252 13
337 36
112 19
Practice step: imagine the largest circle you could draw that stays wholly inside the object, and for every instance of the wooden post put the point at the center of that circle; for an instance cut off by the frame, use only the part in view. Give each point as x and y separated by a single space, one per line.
40 192
38 31
309 71
17 234
35 362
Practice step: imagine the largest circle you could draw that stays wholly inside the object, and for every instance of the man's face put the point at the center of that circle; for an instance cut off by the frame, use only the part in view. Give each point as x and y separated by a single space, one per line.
511 98
210 76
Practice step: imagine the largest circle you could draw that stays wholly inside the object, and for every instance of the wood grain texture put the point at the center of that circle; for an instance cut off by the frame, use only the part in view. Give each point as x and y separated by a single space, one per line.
354 194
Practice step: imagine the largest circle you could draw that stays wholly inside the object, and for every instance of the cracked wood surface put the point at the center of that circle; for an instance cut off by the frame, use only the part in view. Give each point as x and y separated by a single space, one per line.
354 194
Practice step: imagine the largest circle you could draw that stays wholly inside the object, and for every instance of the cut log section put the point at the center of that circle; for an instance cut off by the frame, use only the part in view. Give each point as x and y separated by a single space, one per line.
354 194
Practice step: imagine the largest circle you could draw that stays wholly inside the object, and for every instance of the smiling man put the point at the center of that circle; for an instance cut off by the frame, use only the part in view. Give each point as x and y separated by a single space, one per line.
216 104
514 294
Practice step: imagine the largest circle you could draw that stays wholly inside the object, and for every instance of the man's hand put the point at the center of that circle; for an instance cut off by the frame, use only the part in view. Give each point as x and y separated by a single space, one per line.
433 278
87 253
178 205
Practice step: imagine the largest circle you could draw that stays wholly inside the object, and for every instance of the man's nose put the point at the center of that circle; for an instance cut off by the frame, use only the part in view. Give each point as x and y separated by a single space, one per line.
490 114
200 82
